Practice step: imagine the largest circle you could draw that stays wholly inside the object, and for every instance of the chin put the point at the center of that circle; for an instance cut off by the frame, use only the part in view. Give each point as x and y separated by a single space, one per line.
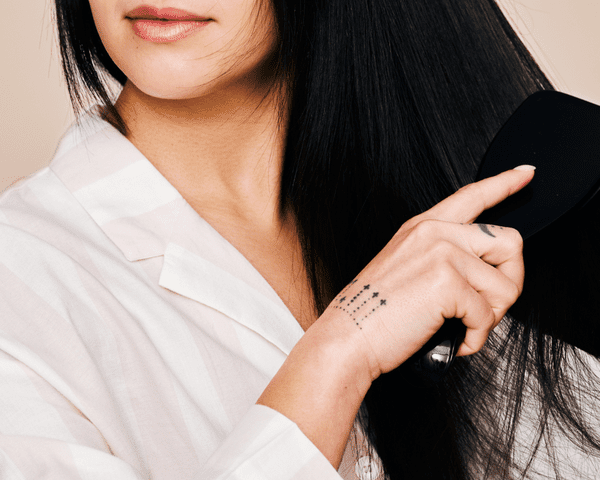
168 88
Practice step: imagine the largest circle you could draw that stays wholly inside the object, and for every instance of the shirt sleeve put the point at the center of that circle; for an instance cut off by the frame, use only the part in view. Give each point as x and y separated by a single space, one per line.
44 436
59 419
41 440
268 445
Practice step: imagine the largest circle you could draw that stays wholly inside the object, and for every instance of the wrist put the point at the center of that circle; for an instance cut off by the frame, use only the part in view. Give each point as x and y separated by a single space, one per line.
321 386
343 349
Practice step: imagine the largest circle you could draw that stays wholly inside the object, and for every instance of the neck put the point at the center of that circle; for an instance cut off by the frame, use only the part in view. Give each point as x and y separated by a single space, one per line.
223 152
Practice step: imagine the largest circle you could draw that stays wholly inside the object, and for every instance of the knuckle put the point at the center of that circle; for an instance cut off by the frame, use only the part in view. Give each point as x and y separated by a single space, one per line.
490 321
425 229
515 238
444 275
410 227
513 293
410 223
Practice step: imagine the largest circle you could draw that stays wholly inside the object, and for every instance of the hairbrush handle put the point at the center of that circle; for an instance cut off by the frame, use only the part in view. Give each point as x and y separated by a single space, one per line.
436 356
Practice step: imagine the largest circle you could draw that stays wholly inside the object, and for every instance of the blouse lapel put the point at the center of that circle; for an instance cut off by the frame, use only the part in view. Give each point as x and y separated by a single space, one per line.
145 217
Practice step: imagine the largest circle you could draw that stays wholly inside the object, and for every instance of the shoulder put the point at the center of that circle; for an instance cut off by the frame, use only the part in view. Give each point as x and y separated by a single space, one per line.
43 225
43 212
40 216
47 242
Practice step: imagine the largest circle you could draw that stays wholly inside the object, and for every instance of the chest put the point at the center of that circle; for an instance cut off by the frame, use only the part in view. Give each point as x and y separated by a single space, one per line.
275 252
281 265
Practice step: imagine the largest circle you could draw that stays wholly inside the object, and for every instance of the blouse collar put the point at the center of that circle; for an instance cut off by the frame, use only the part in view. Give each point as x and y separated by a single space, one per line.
145 216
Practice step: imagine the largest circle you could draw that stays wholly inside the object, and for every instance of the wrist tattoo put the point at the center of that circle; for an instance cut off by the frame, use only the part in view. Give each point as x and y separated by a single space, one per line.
361 306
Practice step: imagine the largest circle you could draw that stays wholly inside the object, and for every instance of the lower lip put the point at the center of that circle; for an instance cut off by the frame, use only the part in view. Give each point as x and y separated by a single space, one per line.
164 32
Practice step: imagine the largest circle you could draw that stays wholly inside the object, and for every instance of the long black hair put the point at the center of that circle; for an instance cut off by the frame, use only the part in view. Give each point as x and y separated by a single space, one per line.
393 104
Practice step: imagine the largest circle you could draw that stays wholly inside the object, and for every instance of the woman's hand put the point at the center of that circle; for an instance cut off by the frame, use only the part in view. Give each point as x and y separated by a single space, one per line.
438 265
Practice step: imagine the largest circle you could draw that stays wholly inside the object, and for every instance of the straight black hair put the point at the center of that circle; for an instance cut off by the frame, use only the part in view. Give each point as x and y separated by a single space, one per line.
393 104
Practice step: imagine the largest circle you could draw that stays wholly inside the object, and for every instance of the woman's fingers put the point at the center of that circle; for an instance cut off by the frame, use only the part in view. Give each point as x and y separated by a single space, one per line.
501 247
499 290
489 259
485 302
480 272
437 266
479 318
469 202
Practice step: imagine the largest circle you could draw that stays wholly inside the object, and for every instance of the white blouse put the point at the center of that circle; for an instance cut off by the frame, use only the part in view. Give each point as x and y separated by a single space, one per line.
134 339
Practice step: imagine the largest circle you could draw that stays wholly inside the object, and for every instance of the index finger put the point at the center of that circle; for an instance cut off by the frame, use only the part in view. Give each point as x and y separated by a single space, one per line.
470 201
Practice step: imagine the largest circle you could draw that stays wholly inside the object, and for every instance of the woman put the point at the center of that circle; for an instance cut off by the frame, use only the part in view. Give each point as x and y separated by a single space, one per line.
215 270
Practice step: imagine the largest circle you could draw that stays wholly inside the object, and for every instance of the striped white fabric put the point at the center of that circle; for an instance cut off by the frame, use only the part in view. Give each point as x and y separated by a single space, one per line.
134 339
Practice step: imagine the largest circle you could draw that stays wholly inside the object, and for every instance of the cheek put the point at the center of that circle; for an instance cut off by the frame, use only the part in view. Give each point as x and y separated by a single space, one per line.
106 19
246 26
113 29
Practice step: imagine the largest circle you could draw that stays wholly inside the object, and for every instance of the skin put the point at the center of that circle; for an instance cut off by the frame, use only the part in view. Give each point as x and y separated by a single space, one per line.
432 269
200 110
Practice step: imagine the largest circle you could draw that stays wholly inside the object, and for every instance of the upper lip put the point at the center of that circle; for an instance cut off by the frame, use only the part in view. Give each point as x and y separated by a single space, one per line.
147 12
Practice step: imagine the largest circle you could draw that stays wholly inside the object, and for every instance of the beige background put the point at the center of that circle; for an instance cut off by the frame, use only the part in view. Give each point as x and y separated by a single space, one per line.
564 36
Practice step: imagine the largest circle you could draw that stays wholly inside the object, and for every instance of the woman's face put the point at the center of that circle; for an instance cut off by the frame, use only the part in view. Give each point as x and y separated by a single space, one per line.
183 49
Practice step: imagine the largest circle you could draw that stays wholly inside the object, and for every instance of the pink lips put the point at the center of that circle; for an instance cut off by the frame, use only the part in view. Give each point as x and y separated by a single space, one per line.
166 24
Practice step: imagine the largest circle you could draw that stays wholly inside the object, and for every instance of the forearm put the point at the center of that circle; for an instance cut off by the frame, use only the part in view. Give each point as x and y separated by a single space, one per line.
320 387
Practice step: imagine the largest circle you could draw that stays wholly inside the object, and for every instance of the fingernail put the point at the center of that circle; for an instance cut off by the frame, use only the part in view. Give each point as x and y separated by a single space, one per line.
524 168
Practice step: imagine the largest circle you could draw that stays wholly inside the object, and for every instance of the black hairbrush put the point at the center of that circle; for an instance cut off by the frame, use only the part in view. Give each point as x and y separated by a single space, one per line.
560 135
